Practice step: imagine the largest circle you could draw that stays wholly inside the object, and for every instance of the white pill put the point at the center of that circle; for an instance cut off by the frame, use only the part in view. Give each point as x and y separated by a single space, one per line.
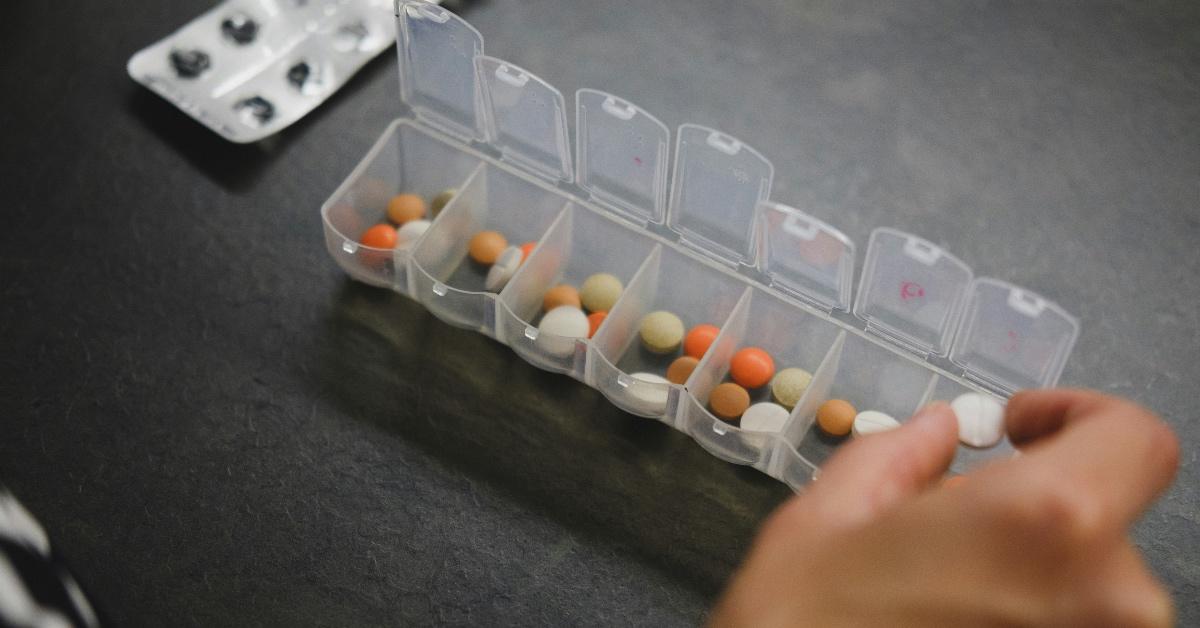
654 395
764 417
505 267
980 419
409 233
873 422
559 329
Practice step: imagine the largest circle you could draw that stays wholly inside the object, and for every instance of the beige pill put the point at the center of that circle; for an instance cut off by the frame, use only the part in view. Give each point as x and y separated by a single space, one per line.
661 332
873 422
789 385
440 201
600 292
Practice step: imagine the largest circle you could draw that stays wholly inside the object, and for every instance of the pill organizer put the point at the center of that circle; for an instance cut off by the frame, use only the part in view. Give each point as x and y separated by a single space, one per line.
249 68
705 242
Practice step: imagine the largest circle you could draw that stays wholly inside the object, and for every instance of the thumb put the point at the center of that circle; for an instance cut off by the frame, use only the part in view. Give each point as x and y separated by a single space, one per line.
873 473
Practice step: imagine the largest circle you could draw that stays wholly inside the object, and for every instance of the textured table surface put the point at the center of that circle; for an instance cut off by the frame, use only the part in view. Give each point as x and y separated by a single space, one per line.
217 428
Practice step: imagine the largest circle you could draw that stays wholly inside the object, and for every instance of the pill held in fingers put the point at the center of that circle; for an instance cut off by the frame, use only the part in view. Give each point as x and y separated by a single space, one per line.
873 422
980 420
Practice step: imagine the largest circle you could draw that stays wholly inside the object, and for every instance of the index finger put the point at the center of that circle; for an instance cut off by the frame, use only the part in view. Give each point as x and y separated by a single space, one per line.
1114 456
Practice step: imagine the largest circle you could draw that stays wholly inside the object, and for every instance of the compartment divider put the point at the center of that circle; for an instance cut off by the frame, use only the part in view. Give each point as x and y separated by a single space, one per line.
706 375
804 413
620 326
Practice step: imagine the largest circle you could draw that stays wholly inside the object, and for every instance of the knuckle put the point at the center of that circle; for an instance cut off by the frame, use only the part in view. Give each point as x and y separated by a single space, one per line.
1060 511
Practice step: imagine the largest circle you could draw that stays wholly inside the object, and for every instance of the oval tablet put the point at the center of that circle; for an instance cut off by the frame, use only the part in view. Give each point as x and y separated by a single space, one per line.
980 419
873 422
681 369
836 417
503 270
764 417
728 401
655 395
789 385
559 328
486 246
404 208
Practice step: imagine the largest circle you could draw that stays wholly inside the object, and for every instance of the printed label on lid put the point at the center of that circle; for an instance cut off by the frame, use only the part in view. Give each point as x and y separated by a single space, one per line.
912 290
1012 337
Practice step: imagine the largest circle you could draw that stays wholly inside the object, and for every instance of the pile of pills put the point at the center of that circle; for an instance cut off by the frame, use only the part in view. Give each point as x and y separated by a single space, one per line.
980 419
572 313
752 369
838 417
491 250
405 220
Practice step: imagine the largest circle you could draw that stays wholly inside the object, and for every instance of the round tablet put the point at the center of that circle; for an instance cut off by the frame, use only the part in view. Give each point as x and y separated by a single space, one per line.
599 293
661 332
503 270
655 397
980 419
873 422
699 339
681 369
559 328
381 236
411 230
788 386
562 294
764 417
440 201
751 367
486 246
405 207
836 417
728 401
594 321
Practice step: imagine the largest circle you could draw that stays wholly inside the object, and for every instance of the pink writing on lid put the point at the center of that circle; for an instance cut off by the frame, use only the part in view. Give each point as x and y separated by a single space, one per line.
911 290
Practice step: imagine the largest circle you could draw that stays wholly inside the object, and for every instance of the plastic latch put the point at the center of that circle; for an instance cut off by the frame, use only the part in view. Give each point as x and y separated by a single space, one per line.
525 118
531 332
804 256
439 288
436 51
621 156
717 185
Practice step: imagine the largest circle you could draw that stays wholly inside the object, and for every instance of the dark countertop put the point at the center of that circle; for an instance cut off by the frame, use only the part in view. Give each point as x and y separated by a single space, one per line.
217 428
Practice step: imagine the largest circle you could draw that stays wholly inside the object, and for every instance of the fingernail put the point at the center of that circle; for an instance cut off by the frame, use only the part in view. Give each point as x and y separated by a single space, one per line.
925 415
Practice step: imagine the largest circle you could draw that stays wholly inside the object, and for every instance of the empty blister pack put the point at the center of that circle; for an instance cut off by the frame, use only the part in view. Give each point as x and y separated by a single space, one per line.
249 68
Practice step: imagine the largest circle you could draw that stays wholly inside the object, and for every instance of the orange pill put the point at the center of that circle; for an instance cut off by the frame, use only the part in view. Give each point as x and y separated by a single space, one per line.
699 339
381 236
752 367
405 207
594 320
728 401
836 417
562 294
681 369
486 246
526 249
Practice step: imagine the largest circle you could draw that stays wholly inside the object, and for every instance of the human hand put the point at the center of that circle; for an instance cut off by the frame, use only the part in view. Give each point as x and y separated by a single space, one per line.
1036 540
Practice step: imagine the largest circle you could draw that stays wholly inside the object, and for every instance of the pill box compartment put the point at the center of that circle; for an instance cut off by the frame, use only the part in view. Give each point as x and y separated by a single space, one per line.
715 250
580 243
407 158
793 336
672 281
442 275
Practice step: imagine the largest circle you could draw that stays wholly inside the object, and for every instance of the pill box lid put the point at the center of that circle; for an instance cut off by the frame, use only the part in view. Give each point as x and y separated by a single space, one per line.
716 186
621 154
525 117
911 291
1013 338
437 51
804 256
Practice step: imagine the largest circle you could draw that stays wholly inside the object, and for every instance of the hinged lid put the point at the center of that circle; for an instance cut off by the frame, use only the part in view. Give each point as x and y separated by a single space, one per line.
621 155
911 290
805 256
717 183
1012 337
437 51
525 117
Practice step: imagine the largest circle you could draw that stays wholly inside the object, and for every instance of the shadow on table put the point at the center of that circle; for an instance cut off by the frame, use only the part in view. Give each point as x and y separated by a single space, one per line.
555 444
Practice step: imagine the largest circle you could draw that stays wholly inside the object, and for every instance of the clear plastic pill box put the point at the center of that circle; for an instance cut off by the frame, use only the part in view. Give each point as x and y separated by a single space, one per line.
690 229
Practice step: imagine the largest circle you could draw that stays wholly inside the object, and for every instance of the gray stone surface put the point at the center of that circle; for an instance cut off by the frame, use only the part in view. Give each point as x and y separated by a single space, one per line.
217 428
